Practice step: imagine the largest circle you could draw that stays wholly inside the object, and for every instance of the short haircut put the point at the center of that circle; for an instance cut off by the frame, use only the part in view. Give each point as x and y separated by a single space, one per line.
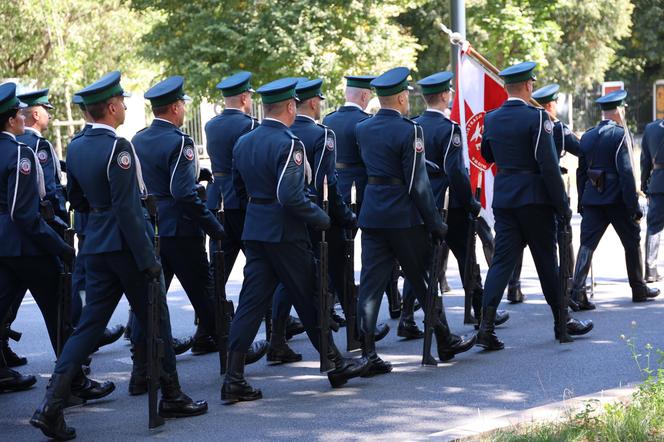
161 110
433 99
275 108
98 110
5 116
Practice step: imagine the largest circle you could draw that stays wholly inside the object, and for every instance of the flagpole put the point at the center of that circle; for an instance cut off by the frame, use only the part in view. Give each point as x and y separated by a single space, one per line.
458 39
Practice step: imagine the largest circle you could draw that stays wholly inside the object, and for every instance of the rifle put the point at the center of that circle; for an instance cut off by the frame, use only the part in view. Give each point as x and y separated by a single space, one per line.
223 312
64 295
432 303
564 239
470 266
350 289
325 301
154 342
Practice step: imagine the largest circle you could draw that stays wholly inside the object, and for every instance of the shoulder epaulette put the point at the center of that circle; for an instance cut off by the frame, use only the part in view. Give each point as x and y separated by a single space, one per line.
327 115
142 130
291 134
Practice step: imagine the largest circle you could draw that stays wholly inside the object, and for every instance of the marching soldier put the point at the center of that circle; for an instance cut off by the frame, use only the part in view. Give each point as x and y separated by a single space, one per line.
110 335
222 132
443 152
607 195
652 184
342 122
270 171
170 169
398 217
319 146
529 194
565 141
30 247
104 178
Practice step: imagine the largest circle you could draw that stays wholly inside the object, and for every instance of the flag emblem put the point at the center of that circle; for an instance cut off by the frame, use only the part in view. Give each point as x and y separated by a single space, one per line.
25 166
124 160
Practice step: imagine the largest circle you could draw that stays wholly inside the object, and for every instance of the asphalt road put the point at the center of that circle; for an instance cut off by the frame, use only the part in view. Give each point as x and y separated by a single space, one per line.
410 403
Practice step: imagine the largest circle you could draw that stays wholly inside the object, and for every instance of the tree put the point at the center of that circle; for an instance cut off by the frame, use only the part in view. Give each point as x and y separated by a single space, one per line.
66 44
207 40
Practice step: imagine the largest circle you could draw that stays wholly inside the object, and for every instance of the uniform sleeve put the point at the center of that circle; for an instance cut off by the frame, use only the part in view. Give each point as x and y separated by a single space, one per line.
46 160
626 174
547 159
572 144
455 169
417 180
487 152
339 211
126 204
646 163
23 198
290 187
183 184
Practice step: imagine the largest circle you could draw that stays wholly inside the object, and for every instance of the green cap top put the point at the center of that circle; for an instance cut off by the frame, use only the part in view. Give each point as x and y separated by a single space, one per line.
278 90
36 98
8 98
391 82
518 73
359 81
103 89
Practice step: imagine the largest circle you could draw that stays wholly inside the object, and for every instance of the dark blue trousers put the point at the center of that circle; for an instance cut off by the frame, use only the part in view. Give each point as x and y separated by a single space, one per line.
655 218
268 264
40 275
380 247
534 226
345 179
108 276
187 258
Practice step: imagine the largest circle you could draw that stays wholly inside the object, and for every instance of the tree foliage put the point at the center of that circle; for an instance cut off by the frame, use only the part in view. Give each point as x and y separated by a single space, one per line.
65 44
207 40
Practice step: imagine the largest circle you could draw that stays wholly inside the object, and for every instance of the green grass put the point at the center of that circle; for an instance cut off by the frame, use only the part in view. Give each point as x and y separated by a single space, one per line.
640 419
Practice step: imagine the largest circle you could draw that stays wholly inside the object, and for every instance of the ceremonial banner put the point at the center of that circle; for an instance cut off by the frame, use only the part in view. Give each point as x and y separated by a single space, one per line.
480 91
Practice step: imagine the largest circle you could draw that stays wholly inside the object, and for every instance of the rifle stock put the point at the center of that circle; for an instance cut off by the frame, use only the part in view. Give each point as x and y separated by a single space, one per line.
64 298
470 266
564 239
350 292
154 342
224 308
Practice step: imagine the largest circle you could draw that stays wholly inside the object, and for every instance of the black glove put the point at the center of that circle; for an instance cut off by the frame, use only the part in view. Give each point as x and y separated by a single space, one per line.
637 215
218 235
475 207
68 254
324 224
439 231
205 174
153 272
566 214
63 166
350 222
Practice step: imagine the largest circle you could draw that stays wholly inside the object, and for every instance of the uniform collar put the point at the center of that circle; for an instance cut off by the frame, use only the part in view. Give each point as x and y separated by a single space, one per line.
432 110
36 132
162 122
273 122
9 134
351 104
232 110
389 111
103 126
517 99
306 118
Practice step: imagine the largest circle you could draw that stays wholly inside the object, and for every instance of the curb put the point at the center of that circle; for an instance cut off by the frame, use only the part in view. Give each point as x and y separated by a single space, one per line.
482 427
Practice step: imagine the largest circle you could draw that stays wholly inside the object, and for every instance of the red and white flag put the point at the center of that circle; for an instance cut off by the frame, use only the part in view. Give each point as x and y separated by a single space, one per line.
480 91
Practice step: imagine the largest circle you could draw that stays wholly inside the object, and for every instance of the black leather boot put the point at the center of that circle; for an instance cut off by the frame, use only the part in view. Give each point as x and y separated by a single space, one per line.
407 328
11 380
88 389
11 358
138 382
381 331
174 403
203 343
294 327
376 364
574 327
501 315
578 296
235 388
345 368
111 335
256 351
652 249
444 286
486 336
640 291
49 417
279 352
340 320
450 344
514 293
182 345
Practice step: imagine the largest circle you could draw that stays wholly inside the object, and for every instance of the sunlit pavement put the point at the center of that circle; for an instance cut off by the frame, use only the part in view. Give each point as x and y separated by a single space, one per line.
410 403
